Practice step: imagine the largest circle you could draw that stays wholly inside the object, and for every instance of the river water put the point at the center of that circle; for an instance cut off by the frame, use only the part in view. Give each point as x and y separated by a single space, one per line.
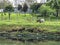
11 42
14 38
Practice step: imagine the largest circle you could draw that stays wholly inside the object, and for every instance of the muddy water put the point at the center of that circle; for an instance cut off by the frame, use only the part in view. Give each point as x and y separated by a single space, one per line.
31 37
24 38
11 42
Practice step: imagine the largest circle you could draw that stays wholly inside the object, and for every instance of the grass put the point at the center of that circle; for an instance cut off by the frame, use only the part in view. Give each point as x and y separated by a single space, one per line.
18 20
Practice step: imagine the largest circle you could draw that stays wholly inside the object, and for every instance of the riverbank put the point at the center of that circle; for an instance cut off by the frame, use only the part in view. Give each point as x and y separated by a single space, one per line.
44 31
17 21
46 26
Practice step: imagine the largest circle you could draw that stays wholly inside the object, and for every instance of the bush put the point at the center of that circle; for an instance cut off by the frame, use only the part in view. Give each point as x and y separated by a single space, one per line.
46 10
25 7
19 7
35 7
9 8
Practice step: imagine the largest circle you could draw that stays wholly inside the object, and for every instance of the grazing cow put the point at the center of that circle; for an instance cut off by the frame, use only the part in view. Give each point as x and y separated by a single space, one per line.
41 20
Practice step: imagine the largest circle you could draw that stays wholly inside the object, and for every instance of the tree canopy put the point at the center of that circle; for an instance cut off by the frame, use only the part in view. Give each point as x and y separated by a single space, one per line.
25 7
46 10
9 8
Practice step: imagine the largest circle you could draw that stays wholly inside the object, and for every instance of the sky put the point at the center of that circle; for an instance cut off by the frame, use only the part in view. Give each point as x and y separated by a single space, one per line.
37 0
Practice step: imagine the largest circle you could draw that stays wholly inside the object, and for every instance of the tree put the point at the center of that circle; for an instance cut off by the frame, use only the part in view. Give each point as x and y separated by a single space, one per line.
55 5
3 4
9 9
19 7
25 7
46 10
35 7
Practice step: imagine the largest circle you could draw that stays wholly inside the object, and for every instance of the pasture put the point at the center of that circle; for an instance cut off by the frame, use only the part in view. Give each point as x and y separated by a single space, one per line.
51 24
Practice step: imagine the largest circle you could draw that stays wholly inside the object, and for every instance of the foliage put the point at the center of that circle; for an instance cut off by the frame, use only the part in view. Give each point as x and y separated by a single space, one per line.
46 10
55 4
35 7
25 7
19 7
9 8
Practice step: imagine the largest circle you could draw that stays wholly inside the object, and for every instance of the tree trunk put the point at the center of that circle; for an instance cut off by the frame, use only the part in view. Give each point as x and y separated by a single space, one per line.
1 16
9 15
57 13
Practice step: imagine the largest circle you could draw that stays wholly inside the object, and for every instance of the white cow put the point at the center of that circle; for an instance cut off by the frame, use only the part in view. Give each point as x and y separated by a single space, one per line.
1 10
41 20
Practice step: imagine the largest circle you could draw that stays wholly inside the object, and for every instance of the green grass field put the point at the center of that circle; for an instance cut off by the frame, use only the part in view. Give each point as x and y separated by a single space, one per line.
51 24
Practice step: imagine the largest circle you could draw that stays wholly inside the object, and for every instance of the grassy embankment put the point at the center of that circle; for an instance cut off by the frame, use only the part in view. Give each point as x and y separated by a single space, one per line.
24 20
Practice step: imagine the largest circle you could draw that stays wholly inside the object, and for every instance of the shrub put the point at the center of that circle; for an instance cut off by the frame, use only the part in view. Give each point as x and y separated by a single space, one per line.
46 10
